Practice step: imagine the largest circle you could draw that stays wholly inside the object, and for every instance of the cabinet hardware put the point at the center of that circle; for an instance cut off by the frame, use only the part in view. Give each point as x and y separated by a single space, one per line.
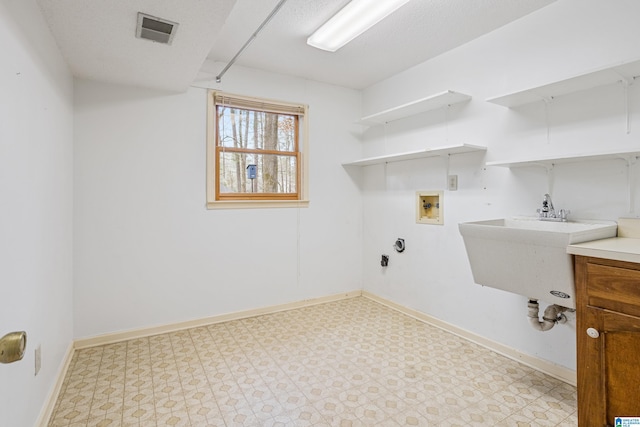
593 333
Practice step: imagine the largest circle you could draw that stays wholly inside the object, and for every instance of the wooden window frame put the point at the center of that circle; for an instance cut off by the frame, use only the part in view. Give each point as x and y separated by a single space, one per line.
217 200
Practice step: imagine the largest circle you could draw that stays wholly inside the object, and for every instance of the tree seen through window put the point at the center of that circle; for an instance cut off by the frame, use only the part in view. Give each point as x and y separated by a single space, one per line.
266 140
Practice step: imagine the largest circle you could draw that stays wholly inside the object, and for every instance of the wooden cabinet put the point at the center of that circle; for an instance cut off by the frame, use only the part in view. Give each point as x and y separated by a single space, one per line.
608 328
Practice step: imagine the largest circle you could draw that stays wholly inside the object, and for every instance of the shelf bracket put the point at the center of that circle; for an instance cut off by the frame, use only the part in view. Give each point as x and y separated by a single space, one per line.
626 82
550 177
547 100
549 168
446 173
631 182
447 109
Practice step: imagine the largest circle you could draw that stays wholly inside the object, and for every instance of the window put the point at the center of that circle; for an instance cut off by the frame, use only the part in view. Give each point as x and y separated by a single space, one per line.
256 152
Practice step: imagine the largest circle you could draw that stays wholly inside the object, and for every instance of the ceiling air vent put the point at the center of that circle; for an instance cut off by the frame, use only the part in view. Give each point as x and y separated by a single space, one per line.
155 29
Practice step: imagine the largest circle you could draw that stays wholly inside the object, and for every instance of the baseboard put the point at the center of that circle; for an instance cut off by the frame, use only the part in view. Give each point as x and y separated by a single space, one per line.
556 371
560 372
47 408
162 329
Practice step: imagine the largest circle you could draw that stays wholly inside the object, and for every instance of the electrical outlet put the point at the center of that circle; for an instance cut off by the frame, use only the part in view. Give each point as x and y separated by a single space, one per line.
453 182
38 359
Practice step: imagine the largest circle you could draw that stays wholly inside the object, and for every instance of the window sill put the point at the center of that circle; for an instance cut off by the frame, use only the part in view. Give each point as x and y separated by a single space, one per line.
257 204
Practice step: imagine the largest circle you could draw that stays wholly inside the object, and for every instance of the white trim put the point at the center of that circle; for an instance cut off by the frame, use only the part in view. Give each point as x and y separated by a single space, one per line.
47 409
162 329
560 372
303 150
429 103
257 204
556 371
418 154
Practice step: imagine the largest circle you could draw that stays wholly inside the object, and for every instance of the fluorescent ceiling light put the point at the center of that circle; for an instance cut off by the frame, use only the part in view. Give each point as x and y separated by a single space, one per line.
352 20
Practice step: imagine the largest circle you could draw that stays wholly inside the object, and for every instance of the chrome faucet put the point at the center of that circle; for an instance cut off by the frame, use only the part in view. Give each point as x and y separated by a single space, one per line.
548 212
547 206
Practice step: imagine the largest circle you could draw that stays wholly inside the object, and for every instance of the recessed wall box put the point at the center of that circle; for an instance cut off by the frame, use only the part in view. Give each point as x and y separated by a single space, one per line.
429 207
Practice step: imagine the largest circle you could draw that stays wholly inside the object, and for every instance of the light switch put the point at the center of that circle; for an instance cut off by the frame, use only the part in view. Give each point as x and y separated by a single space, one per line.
453 182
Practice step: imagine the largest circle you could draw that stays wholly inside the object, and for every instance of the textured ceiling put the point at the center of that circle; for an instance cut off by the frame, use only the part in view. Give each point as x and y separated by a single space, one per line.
416 32
97 38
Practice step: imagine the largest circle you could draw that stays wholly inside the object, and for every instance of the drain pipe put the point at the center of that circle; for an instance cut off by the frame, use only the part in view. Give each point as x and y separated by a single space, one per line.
552 315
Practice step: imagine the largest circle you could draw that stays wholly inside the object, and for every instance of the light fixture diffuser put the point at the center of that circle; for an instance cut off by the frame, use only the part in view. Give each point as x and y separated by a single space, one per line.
351 21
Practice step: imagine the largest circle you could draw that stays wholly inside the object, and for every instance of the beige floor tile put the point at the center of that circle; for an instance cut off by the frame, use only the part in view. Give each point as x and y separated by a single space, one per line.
347 363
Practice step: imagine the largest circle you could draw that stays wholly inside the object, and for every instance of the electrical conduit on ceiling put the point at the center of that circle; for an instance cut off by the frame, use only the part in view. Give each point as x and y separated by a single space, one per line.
252 38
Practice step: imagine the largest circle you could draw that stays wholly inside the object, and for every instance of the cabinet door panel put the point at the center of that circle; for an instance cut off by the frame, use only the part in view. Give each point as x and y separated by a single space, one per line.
616 322
621 351
608 300
591 387
614 288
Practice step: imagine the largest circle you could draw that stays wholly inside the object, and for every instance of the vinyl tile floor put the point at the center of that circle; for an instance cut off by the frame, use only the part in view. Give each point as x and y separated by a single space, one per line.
352 362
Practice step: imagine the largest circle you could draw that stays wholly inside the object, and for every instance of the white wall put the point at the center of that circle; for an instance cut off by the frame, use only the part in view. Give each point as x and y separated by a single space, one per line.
36 129
433 275
147 252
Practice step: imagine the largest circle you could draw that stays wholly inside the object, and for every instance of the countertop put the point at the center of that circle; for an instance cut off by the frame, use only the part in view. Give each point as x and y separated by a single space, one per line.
625 247
615 248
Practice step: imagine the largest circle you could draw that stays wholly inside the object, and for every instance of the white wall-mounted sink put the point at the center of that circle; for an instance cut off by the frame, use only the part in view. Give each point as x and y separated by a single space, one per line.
529 257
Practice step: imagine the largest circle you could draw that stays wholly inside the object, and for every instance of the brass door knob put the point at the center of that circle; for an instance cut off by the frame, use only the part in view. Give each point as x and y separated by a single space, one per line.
12 346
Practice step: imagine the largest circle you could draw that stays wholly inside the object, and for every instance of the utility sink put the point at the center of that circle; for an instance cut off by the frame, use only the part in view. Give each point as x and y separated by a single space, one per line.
529 257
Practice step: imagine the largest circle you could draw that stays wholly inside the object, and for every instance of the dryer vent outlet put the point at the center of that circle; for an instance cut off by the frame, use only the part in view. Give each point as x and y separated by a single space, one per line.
384 262
155 29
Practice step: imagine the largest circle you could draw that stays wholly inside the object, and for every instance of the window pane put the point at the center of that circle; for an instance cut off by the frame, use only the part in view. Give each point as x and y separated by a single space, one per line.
256 129
274 173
